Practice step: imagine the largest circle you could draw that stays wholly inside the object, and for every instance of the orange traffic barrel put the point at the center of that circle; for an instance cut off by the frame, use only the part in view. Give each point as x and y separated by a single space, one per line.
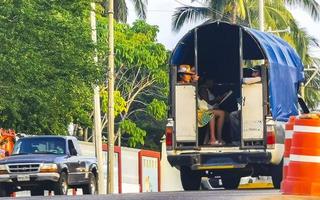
303 174
287 145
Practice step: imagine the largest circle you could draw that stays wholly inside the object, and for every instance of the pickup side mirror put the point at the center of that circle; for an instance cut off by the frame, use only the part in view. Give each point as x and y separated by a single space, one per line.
303 105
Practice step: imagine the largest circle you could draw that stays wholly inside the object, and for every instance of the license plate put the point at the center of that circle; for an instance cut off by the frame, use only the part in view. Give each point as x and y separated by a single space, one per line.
23 178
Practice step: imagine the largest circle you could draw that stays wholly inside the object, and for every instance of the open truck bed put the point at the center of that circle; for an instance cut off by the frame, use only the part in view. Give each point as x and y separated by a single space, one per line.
223 52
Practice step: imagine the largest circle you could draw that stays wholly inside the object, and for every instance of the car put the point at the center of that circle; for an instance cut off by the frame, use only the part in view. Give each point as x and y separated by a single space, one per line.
51 163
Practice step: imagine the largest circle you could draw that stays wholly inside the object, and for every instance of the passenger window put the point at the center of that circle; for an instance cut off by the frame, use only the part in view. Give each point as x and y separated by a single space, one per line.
72 149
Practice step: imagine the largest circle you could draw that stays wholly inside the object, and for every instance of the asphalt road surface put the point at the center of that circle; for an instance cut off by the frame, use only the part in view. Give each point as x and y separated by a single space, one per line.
194 195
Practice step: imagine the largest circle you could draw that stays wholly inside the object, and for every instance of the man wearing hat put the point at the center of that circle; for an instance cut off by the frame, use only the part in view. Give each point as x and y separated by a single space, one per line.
186 74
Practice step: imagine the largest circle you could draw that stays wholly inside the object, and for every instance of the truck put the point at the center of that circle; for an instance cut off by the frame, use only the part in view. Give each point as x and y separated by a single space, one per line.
52 163
224 52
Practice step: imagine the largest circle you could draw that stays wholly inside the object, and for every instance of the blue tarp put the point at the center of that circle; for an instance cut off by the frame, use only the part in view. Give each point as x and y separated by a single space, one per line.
285 66
285 74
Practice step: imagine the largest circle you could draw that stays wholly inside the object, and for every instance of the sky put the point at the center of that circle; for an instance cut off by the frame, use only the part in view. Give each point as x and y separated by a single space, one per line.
160 11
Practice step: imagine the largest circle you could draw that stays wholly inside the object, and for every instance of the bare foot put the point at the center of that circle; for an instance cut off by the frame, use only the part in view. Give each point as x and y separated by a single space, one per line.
214 142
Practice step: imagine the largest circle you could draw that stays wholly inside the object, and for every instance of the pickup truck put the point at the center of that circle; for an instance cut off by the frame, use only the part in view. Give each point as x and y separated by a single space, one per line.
51 163
264 74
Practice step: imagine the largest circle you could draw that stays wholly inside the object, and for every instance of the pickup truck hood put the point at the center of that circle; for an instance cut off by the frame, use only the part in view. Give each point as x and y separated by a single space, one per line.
32 158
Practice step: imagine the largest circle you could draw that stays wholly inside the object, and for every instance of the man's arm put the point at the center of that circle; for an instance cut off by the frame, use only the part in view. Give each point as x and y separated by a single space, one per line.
203 93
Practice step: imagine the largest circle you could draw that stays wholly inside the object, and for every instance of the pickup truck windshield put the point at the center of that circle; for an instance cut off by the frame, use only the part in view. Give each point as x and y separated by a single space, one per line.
40 146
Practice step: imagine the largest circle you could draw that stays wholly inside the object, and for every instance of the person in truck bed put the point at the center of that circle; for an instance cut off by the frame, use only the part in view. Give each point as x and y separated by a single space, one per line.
206 112
186 74
205 94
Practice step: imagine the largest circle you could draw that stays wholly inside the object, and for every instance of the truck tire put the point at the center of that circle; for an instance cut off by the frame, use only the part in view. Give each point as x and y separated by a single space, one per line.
230 182
276 174
191 180
61 187
91 187
37 192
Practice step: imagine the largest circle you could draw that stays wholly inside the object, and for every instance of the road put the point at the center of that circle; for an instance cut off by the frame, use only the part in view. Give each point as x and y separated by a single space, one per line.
194 195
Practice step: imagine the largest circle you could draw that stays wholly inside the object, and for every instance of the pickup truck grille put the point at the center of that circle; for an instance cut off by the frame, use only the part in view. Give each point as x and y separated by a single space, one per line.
23 168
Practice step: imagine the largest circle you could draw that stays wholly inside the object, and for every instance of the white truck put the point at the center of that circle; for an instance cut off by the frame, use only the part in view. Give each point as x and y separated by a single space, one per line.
222 52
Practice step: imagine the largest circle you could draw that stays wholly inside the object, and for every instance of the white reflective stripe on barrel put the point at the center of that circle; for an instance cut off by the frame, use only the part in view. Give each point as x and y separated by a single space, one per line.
289 134
301 158
306 129
286 161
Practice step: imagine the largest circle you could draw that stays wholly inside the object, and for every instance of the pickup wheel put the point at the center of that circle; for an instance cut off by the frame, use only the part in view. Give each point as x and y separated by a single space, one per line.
276 174
61 187
37 192
191 180
230 182
91 187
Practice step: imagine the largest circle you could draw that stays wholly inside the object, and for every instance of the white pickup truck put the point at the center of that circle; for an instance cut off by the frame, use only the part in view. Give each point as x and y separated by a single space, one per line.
221 51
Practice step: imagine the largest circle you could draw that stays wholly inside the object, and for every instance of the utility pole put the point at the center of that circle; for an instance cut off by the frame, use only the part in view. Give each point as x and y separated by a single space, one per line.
98 141
111 101
261 15
97 113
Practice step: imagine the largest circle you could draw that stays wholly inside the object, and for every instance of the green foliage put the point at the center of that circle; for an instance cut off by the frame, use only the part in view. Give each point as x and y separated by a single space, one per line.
46 65
141 75
119 103
46 59
158 109
136 134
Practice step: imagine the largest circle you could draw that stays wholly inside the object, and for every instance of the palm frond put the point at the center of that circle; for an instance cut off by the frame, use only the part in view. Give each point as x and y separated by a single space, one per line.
242 9
187 14
218 8
141 8
311 6
120 11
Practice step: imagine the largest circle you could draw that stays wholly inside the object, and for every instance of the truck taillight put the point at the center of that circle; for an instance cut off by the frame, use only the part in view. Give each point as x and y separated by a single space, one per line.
169 131
271 139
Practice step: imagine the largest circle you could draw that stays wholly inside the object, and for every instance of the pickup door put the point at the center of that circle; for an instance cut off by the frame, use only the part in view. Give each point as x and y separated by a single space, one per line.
76 171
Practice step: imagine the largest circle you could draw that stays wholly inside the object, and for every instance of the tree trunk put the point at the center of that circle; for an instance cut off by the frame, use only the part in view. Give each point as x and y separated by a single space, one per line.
85 135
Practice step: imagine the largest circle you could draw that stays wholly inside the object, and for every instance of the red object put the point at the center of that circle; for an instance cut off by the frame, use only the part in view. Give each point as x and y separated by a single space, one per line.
271 138
151 154
303 175
169 136
9 137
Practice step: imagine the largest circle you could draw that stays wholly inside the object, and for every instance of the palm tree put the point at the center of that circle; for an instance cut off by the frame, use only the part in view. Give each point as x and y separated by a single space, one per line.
228 10
121 10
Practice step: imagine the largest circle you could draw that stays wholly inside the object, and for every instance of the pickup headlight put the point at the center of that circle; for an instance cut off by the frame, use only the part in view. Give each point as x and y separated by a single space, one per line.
3 169
49 167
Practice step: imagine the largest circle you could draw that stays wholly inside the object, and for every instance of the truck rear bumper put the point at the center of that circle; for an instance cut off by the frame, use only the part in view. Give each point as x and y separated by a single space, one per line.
33 178
210 161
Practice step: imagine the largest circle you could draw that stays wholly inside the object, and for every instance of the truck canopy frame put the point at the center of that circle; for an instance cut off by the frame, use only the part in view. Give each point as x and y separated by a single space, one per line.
220 49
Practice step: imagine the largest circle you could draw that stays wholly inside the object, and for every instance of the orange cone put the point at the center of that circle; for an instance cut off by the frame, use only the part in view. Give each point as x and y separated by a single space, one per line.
303 175
287 145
